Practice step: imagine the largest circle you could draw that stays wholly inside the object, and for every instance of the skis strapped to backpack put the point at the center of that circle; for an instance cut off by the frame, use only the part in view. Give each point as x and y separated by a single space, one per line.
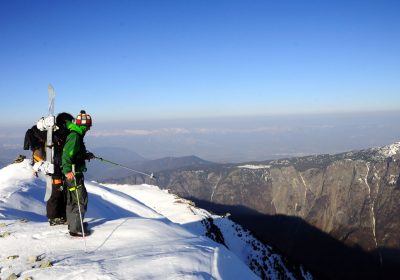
49 124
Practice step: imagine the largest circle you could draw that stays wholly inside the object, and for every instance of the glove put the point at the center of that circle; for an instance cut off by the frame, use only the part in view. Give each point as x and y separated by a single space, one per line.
89 156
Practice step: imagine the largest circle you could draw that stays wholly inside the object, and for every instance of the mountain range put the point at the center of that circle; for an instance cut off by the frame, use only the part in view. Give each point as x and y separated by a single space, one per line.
338 214
103 171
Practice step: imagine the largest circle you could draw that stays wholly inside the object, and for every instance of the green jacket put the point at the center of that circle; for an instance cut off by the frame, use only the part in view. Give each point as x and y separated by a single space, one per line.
74 151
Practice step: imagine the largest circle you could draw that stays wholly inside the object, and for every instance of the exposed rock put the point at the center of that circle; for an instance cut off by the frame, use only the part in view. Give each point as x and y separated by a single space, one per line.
12 277
19 158
46 264
33 259
4 234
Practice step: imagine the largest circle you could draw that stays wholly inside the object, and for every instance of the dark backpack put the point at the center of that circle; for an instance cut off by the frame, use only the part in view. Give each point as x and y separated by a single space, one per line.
35 140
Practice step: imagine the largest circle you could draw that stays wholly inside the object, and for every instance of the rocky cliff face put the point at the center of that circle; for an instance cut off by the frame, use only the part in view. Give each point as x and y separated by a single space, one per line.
353 197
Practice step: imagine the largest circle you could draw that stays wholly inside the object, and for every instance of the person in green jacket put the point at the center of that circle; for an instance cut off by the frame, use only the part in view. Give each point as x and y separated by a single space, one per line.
73 165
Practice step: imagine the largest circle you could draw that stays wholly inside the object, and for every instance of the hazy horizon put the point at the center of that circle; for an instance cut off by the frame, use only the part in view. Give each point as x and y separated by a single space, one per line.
239 139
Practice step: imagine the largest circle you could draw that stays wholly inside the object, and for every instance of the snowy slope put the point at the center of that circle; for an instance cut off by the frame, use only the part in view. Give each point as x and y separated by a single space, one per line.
140 232
262 259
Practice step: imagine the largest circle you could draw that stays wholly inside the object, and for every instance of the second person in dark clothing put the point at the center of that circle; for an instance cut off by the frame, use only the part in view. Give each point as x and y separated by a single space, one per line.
56 205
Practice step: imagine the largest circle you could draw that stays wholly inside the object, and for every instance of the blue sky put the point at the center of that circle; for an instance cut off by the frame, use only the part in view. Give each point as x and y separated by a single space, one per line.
138 60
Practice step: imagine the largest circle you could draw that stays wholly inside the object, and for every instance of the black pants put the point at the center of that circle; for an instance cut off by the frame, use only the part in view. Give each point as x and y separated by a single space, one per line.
76 198
56 205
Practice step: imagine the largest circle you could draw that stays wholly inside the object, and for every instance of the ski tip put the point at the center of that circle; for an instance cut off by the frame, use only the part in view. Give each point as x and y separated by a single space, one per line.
50 90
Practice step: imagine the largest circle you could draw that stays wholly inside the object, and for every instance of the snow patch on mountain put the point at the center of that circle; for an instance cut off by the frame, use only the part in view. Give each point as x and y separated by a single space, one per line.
251 166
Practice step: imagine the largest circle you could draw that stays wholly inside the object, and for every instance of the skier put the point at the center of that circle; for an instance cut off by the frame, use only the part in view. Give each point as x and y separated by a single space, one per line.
56 205
73 165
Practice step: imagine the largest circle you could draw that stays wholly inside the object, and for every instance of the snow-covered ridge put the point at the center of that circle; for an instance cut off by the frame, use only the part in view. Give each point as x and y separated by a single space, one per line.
140 232
389 150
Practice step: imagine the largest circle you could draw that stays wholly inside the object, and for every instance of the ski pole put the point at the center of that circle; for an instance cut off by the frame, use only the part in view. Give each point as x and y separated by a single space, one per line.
120 165
79 207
